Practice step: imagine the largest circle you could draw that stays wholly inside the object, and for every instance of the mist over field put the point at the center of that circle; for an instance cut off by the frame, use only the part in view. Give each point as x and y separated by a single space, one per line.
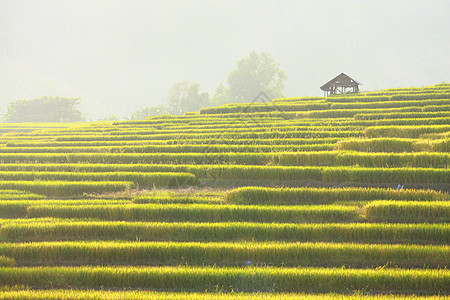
148 149
122 55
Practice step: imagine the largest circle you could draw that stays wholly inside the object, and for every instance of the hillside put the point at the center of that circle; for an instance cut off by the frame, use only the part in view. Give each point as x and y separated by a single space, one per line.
343 195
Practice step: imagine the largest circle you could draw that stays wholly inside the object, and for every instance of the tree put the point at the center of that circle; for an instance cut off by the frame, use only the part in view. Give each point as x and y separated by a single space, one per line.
44 109
254 74
221 96
184 96
149 111
111 117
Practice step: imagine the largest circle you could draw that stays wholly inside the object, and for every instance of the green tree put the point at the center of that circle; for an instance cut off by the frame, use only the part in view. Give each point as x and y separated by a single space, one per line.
149 111
44 109
221 95
254 74
111 117
184 96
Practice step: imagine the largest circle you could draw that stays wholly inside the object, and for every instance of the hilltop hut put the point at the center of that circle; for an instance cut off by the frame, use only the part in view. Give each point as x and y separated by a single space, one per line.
340 84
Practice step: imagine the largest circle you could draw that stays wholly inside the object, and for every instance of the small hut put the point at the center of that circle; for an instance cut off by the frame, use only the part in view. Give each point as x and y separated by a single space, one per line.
340 84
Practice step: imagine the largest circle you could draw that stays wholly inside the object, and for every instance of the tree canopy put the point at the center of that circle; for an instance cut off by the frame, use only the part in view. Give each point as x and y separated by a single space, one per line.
254 74
184 96
44 109
149 111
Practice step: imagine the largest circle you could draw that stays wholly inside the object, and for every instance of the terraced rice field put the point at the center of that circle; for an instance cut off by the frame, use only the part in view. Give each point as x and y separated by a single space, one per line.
299 198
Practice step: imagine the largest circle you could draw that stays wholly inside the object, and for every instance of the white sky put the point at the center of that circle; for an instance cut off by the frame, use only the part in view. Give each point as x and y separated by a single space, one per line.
121 55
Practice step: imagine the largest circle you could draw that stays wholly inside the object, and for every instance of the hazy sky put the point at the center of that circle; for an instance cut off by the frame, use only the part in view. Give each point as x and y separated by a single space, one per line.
121 55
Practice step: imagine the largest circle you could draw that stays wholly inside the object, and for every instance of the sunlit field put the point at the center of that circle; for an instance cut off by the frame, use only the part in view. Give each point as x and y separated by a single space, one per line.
344 197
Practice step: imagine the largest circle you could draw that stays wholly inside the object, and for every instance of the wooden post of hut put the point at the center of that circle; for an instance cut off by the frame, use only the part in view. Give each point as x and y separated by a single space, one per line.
341 84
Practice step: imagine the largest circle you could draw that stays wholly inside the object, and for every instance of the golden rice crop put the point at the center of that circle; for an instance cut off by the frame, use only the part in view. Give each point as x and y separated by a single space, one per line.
261 195
232 279
410 211
56 294
148 231
199 213
227 254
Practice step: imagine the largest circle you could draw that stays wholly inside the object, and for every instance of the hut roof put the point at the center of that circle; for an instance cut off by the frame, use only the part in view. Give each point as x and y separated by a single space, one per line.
340 80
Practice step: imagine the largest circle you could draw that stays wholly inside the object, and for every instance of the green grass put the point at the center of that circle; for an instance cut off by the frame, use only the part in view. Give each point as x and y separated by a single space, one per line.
404 131
308 158
179 149
335 175
199 213
67 188
143 179
393 145
411 211
141 295
6 194
228 254
147 231
250 279
163 199
18 208
295 196
6 261
427 112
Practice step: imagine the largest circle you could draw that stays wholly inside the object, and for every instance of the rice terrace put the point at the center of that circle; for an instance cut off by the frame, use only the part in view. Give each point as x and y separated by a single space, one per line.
339 197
